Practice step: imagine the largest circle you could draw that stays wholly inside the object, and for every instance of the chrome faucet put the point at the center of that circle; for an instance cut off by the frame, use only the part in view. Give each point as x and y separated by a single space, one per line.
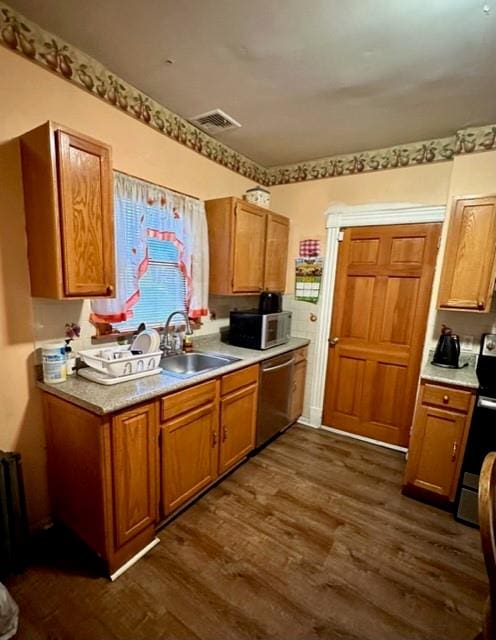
166 344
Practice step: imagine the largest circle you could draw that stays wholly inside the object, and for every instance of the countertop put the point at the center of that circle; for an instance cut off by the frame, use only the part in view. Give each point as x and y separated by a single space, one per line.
465 377
102 400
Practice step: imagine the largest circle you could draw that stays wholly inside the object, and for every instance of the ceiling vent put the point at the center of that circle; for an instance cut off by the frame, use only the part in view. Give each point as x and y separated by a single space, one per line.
214 122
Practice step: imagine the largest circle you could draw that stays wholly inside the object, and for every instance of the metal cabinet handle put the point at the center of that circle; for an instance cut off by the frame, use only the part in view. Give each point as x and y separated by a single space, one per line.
480 304
110 289
333 341
453 452
224 433
214 438
445 399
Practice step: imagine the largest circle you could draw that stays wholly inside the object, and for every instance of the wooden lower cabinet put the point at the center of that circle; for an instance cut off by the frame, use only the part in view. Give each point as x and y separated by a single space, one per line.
189 455
437 442
102 474
133 460
299 378
238 411
197 446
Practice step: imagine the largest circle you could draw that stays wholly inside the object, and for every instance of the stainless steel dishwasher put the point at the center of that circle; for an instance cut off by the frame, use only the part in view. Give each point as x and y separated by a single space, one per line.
276 383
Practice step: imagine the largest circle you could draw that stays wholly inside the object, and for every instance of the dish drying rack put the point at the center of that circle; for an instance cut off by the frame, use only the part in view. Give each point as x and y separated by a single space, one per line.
118 364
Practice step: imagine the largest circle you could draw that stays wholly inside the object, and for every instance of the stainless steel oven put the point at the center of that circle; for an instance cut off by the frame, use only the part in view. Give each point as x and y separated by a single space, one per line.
482 434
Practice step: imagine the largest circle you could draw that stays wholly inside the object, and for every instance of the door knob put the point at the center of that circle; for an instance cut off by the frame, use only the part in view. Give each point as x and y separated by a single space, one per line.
333 341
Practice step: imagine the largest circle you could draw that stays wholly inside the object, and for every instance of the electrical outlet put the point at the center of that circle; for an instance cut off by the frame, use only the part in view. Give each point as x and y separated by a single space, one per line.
467 343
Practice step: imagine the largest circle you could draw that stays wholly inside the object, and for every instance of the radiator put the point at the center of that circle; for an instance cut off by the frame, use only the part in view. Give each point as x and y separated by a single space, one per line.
13 518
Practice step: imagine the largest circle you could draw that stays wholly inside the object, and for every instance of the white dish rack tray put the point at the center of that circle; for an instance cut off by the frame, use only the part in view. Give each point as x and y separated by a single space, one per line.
119 362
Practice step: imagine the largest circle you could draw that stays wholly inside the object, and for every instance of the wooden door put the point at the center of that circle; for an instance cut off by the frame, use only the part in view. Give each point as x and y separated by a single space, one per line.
189 455
133 461
467 279
248 249
298 394
434 451
276 252
85 188
383 286
238 416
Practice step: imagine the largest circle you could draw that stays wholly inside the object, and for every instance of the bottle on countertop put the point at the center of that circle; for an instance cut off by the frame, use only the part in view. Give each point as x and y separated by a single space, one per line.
188 343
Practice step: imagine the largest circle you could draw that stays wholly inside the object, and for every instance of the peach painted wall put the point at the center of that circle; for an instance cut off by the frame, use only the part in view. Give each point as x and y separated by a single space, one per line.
306 203
31 95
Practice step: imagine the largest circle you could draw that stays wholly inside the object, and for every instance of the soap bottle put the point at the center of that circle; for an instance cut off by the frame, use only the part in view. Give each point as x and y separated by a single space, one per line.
188 343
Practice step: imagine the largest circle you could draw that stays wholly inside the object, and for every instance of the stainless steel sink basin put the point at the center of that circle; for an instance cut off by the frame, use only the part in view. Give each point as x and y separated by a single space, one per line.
186 365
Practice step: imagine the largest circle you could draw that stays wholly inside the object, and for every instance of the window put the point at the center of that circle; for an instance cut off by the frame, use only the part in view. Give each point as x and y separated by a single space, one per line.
161 256
162 287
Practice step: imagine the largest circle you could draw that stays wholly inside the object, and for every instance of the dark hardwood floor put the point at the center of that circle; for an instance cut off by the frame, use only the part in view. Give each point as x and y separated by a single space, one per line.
310 539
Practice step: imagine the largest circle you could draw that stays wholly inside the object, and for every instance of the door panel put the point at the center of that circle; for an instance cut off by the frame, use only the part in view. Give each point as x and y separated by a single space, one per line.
399 310
467 280
276 252
238 415
360 298
248 250
85 181
134 446
189 455
436 442
383 286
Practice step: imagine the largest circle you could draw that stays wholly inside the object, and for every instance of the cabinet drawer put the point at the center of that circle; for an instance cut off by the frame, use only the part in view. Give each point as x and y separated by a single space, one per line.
300 354
182 401
447 397
238 379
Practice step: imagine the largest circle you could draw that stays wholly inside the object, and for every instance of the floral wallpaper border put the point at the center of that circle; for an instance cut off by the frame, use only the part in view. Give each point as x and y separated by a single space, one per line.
28 39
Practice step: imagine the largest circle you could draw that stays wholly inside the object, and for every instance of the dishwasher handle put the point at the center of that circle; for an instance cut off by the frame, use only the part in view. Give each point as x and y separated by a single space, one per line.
278 366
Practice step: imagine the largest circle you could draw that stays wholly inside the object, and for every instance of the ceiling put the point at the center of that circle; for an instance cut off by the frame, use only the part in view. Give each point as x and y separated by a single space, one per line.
305 78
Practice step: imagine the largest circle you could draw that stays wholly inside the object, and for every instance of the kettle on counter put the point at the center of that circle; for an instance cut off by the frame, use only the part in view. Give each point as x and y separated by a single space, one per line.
447 351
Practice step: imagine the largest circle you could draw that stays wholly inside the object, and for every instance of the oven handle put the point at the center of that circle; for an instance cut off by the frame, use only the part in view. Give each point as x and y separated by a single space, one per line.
487 403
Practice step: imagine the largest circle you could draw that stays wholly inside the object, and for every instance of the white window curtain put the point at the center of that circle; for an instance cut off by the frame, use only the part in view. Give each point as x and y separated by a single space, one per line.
144 211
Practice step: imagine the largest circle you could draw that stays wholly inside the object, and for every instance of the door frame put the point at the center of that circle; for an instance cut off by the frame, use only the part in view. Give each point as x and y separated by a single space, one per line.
338 217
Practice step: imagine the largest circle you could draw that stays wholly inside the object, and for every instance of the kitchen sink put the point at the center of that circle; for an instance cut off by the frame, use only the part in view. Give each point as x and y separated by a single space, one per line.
186 365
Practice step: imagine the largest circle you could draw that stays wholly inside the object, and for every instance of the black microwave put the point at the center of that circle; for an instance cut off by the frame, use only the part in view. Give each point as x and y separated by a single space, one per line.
255 330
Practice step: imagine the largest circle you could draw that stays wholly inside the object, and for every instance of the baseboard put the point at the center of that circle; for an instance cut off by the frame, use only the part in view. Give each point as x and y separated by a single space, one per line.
134 559
354 436
305 422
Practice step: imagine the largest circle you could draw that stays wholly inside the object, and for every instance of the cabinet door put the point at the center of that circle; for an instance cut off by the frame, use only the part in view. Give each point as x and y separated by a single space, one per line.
435 447
85 187
133 464
248 249
238 416
276 252
189 455
468 272
298 395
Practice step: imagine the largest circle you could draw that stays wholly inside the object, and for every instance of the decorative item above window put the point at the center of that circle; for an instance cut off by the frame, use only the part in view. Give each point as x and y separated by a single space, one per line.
161 256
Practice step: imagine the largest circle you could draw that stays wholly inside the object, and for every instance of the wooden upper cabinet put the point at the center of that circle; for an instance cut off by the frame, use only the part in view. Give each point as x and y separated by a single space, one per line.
67 180
248 247
468 274
276 252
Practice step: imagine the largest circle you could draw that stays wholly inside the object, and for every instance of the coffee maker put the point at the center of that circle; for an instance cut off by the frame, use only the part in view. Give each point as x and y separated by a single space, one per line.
447 351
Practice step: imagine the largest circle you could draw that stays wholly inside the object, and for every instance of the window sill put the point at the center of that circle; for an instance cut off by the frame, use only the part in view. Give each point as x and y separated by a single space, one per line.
126 336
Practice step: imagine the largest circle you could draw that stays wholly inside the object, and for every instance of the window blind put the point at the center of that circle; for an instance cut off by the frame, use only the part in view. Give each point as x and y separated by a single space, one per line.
162 289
